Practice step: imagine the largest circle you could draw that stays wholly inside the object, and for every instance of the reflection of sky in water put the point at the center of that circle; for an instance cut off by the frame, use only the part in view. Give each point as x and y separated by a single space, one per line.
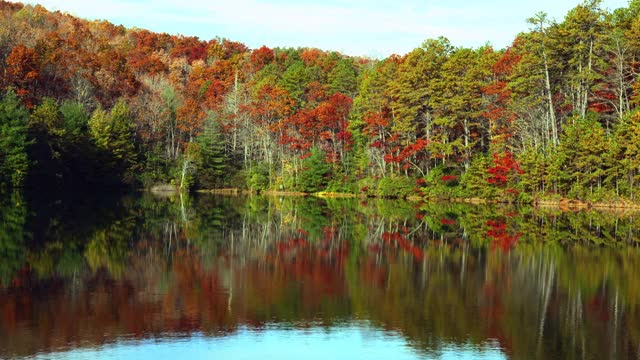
356 341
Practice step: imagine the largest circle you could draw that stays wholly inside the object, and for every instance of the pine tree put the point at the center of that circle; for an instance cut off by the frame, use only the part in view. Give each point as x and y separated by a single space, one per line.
122 134
534 165
313 177
113 136
583 150
295 80
626 154
211 162
343 78
47 132
414 91
74 117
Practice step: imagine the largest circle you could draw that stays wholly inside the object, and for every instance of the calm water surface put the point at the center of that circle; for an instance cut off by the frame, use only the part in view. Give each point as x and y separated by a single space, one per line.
257 277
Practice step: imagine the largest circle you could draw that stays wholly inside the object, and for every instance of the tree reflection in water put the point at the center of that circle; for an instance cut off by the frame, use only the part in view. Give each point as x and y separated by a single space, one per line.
538 283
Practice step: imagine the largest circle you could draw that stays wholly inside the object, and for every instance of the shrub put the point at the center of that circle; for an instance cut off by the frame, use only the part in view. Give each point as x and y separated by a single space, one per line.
258 177
399 186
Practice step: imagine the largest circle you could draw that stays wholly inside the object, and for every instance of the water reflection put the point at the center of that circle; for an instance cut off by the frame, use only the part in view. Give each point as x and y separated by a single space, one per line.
354 342
141 276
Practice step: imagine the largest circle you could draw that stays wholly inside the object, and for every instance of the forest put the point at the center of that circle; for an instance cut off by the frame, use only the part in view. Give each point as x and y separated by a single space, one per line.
92 105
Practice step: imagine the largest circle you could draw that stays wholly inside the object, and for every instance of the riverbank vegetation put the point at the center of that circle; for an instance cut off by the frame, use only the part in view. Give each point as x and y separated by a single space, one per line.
554 115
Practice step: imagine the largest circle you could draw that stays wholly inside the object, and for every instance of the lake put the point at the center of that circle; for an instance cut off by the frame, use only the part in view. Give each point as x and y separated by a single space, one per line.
134 276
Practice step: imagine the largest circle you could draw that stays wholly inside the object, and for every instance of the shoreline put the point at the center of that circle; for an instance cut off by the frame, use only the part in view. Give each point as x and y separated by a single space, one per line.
575 205
563 204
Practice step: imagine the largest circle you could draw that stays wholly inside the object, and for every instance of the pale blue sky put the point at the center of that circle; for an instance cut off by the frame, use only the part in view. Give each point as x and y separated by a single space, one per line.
356 27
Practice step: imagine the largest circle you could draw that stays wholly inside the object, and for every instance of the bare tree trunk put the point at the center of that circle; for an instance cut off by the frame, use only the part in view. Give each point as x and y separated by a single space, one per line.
467 151
552 112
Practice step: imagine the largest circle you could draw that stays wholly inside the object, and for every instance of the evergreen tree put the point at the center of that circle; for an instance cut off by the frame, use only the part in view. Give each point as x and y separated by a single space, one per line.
370 118
295 80
583 150
113 135
74 117
211 161
578 46
625 155
458 103
343 78
533 163
46 130
79 162
122 138
99 128
414 93
313 177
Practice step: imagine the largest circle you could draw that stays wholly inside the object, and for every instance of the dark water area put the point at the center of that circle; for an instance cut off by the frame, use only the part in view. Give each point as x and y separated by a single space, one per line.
133 276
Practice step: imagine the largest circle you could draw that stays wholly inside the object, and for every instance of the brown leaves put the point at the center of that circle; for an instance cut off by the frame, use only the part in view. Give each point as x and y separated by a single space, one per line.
22 72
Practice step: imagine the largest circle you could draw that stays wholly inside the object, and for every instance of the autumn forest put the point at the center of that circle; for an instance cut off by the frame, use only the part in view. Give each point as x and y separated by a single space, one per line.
554 115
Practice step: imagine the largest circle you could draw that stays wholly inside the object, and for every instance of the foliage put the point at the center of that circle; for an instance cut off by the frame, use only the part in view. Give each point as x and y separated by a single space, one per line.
113 136
442 182
314 173
503 174
258 177
210 163
551 116
396 187
14 163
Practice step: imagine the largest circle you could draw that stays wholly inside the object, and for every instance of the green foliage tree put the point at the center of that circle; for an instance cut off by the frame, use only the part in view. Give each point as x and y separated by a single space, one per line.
396 187
578 45
343 78
48 151
457 102
474 180
113 134
624 158
315 170
75 119
414 93
583 150
295 80
79 157
534 179
211 160
372 102
413 87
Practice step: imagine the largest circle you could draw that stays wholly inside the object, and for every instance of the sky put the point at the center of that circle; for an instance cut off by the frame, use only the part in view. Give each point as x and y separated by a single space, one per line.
375 28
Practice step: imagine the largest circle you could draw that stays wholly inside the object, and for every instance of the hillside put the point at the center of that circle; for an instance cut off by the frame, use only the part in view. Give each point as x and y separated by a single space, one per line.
553 115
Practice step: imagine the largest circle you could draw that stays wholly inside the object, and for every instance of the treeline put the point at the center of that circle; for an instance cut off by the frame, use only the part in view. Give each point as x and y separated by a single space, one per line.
553 115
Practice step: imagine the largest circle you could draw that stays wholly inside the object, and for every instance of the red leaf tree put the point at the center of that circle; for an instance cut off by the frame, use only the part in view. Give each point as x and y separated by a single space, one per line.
504 171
